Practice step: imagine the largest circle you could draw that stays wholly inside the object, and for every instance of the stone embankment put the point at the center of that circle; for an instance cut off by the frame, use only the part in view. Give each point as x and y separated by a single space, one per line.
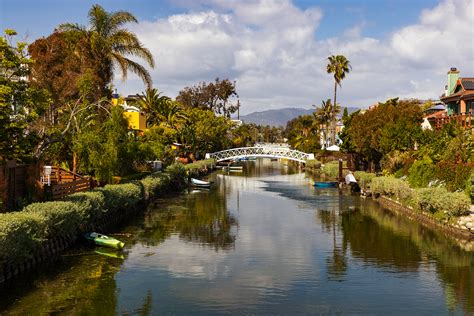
462 231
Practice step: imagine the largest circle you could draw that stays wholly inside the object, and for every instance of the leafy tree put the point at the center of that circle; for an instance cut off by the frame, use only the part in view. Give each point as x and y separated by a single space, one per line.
215 96
339 66
20 103
205 132
302 134
111 43
393 125
103 151
63 63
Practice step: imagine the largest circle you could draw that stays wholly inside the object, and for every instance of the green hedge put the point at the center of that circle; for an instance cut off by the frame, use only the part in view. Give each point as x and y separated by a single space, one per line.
364 178
331 169
436 200
21 233
59 218
392 187
20 236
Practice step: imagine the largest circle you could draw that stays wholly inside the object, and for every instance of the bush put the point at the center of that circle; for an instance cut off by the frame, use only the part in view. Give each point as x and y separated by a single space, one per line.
59 218
421 173
331 169
178 174
435 200
313 164
393 188
122 196
470 187
92 204
364 178
155 184
20 235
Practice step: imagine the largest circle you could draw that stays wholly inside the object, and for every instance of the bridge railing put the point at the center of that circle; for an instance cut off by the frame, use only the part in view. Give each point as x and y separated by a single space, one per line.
272 152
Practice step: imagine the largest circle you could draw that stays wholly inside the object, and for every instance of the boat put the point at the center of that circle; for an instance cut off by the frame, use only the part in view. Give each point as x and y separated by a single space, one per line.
200 184
327 184
103 240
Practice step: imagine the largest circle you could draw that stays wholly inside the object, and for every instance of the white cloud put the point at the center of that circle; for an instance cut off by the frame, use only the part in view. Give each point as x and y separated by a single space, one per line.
270 48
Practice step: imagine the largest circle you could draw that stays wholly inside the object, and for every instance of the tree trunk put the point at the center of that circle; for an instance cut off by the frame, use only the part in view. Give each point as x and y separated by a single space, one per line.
333 121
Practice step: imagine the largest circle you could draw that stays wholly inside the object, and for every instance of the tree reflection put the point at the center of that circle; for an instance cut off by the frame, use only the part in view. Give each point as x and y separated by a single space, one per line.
201 218
381 237
86 287
337 263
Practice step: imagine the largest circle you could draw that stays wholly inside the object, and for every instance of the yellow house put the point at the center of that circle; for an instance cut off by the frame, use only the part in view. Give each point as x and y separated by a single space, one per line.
136 119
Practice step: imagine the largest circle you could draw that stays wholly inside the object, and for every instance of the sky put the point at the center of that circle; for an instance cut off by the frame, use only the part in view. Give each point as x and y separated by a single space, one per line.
276 50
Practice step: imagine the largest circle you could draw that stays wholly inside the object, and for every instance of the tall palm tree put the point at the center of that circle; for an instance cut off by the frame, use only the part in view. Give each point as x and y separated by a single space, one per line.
324 116
339 66
111 43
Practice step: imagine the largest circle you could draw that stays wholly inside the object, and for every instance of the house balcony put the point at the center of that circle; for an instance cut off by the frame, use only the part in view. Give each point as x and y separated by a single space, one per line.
464 120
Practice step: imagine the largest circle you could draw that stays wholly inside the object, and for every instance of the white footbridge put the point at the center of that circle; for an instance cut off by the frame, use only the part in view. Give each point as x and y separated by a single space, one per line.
260 152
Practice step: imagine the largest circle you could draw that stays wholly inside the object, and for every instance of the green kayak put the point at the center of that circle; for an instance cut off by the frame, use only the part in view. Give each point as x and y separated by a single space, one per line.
103 240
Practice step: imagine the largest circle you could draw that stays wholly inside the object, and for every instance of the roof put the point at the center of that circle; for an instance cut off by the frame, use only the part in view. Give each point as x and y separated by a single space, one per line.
467 83
436 107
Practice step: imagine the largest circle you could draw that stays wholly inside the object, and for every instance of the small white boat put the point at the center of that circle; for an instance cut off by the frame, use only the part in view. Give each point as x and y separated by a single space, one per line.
200 184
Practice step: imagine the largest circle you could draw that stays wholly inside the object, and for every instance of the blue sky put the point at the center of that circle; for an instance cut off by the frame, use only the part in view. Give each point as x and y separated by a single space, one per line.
276 50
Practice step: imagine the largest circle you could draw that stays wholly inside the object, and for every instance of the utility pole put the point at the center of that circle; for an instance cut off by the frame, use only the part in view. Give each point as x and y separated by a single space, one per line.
238 109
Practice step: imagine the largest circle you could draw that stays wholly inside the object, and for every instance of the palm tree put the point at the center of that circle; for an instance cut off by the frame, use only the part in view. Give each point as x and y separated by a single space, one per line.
324 116
111 43
339 66
161 109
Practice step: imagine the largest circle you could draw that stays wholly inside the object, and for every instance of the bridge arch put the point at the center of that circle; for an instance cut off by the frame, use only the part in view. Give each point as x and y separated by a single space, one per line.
261 152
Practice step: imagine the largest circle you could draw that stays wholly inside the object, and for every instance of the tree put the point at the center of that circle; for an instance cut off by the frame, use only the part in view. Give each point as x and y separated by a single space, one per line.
303 134
111 43
20 103
339 66
63 61
324 116
215 96
393 125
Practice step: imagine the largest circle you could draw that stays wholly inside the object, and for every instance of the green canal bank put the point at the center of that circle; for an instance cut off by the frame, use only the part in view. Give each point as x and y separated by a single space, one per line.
41 231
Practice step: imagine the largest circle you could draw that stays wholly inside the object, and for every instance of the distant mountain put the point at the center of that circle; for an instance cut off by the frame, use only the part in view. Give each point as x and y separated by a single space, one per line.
279 117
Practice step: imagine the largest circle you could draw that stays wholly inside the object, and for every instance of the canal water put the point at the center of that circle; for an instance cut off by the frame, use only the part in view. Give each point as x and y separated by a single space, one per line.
262 241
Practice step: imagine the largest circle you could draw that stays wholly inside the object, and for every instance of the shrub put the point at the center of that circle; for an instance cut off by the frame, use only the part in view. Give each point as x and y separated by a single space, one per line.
470 187
331 169
122 196
92 204
178 174
59 218
435 200
20 235
454 174
392 187
313 164
364 178
421 173
155 184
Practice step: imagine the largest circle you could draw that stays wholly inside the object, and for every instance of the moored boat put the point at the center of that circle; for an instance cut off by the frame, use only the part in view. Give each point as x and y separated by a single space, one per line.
103 240
200 184
325 184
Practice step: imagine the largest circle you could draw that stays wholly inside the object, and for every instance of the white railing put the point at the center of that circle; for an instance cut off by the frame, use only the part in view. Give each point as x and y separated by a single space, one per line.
264 152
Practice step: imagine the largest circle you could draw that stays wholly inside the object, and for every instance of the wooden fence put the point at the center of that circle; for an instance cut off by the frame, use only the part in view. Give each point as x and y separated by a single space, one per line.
14 182
63 182
61 190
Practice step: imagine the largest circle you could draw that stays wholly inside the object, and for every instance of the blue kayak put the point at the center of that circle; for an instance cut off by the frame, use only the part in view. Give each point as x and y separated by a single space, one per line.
330 184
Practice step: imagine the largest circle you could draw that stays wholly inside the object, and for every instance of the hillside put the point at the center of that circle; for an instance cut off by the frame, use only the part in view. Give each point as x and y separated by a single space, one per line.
279 117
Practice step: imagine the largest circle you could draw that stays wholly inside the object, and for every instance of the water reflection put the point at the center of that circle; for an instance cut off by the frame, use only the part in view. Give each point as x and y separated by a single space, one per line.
263 241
